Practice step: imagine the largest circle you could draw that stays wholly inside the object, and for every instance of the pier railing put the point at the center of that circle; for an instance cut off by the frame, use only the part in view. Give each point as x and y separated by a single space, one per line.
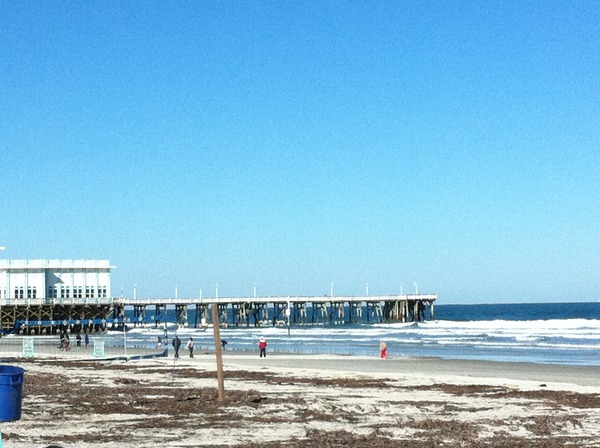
273 299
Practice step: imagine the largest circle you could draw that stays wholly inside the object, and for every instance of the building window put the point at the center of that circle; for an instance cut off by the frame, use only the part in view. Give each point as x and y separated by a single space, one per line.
65 292
102 291
31 292
19 292
78 293
53 292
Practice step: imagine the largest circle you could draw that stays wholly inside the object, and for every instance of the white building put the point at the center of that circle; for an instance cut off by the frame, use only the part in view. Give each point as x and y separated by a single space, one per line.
75 280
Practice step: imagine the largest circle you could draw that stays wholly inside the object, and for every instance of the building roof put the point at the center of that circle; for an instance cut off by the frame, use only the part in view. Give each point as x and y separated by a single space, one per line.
49 264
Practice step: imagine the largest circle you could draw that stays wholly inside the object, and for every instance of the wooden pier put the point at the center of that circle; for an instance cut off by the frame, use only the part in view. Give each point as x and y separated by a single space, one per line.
49 316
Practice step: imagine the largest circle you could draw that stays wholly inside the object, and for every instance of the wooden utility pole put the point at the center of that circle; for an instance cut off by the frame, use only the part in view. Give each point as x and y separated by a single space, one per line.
219 353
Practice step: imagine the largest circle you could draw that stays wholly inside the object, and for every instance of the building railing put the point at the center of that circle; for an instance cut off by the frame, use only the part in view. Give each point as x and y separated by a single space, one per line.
63 301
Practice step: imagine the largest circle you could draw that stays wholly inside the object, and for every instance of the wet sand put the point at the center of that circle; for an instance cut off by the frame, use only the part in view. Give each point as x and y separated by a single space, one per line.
466 370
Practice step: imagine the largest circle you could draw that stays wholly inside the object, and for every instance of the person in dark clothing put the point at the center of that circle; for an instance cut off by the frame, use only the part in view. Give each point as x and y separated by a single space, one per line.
176 345
223 343
190 346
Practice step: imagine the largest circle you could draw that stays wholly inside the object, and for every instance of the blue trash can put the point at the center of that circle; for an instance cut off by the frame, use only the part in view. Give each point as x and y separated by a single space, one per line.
11 393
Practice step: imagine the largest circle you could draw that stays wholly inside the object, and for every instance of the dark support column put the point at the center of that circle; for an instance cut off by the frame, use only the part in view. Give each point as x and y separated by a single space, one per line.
238 313
374 312
279 312
202 315
319 312
181 314
160 314
139 314
262 313
253 313
118 312
223 316
337 312
356 313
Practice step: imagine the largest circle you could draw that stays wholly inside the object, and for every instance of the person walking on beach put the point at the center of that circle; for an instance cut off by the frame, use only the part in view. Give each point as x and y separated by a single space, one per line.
190 346
78 338
262 346
66 343
383 349
176 345
87 340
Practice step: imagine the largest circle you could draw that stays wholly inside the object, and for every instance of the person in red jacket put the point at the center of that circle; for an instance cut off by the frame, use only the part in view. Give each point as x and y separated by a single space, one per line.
383 348
262 345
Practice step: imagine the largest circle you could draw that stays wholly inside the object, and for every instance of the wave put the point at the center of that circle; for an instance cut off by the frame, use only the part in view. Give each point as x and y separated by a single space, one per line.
569 341
538 323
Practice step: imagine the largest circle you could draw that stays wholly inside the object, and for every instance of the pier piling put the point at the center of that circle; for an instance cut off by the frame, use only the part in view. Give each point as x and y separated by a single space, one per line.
43 316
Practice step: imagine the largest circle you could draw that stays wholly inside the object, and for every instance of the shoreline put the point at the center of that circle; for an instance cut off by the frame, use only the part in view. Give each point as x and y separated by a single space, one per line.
463 370
579 375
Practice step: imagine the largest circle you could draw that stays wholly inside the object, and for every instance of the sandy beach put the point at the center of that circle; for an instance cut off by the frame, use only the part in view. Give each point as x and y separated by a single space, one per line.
72 400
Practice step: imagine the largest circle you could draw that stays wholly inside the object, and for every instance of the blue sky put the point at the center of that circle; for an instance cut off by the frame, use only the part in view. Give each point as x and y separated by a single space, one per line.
294 145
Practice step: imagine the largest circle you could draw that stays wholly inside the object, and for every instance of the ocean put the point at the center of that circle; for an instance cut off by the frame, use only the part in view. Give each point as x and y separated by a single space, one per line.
555 333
